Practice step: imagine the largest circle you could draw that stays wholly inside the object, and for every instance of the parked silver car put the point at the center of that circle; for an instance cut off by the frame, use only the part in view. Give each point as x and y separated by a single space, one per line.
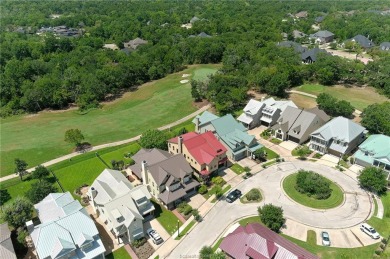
156 238
325 238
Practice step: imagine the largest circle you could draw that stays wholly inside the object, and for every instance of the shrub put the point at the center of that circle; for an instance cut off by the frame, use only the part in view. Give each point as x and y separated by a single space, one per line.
202 189
218 191
22 234
253 195
184 208
352 160
313 184
218 180
138 242
196 215
378 252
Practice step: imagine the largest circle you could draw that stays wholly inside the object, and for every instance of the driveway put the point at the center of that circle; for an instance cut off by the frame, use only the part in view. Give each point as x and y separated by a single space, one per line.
159 228
196 201
355 209
289 145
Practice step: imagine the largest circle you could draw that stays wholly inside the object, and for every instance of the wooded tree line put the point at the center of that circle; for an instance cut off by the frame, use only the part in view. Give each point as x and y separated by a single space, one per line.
38 72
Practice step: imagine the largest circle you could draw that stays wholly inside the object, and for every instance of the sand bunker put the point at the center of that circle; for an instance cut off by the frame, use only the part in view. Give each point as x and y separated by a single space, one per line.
185 75
184 81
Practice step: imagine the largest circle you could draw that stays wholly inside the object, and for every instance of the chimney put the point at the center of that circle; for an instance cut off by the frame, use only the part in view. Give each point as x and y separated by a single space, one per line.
262 98
30 226
144 172
93 192
180 144
197 122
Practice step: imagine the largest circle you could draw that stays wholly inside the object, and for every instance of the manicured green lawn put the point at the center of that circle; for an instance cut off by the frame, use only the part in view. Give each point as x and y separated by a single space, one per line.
311 237
270 154
166 218
382 225
335 199
237 168
121 253
40 137
276 141
185 230
355 95
326 252
203 72
249 220
269 163
216 246
72 174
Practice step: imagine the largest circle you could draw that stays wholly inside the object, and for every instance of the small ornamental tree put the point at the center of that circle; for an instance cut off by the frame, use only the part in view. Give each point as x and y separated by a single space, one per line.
271 216
373 179
153 139
206 252
261 154
313 185
40 190
74 136
20 167
17 213
40 172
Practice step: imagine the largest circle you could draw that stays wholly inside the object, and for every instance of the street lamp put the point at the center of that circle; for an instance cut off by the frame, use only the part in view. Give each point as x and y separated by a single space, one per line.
178 229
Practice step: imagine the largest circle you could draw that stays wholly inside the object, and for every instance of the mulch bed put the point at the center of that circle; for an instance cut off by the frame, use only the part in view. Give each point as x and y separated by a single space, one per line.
144 251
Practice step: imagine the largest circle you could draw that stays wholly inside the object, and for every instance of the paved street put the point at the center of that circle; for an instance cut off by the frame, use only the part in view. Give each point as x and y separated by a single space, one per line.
355 209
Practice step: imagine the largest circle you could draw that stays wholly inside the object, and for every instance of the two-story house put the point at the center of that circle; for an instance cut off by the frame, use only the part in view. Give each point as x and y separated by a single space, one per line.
374 151
203 152
232 134
120 205
296 124
265 112
321 37
65 229
337 137
169 178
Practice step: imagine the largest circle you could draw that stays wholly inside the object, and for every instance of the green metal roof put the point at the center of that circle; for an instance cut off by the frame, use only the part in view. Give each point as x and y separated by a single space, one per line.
205 117
375 147
226 124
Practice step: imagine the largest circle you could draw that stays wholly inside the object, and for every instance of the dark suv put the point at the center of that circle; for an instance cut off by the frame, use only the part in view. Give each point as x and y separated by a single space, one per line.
233 195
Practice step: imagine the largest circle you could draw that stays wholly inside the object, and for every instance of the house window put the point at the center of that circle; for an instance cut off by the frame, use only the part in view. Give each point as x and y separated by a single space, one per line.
177 150
169 144
185 156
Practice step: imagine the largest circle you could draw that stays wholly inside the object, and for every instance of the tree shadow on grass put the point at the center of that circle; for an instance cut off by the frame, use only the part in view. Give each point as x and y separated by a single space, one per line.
4 196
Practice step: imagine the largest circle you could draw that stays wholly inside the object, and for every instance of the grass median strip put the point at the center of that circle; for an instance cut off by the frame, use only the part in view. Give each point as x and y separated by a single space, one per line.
185 230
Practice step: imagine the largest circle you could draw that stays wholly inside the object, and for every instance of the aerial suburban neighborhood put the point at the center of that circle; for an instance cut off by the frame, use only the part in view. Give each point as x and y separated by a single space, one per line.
195 129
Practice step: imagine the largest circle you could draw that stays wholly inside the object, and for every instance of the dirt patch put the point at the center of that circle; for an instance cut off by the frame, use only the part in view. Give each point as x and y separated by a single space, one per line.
201 104
144 251
302 101
255 94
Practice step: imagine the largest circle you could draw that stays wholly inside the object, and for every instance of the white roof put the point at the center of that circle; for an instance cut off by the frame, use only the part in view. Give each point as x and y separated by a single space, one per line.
118 196
245 118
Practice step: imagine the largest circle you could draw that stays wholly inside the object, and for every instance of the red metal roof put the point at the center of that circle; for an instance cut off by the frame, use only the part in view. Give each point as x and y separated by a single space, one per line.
203 147
261 242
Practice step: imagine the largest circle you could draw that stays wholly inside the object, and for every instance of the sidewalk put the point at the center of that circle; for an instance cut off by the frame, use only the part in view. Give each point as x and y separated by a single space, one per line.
112 144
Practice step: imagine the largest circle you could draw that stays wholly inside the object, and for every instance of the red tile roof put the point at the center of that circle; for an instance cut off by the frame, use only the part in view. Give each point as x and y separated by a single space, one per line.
203 147
257 241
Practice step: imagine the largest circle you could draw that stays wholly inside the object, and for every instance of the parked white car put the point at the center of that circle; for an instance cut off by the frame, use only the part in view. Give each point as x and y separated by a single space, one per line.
369 231
156 238
325 238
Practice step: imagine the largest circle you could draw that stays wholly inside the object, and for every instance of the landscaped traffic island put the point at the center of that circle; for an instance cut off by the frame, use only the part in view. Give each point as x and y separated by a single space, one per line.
313 190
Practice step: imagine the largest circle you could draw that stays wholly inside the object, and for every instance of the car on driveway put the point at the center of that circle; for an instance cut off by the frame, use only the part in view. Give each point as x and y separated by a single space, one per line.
369 231
325 238
233 195
156 238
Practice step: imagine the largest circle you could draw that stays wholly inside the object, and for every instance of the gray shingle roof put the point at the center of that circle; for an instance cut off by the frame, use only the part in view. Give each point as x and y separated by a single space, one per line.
323 34
291 44
385 46
340 128
363 41
312 53
152 156
6 248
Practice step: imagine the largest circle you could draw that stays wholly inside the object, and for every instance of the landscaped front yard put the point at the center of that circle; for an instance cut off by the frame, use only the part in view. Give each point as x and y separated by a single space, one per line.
121 253
237 168
166 218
